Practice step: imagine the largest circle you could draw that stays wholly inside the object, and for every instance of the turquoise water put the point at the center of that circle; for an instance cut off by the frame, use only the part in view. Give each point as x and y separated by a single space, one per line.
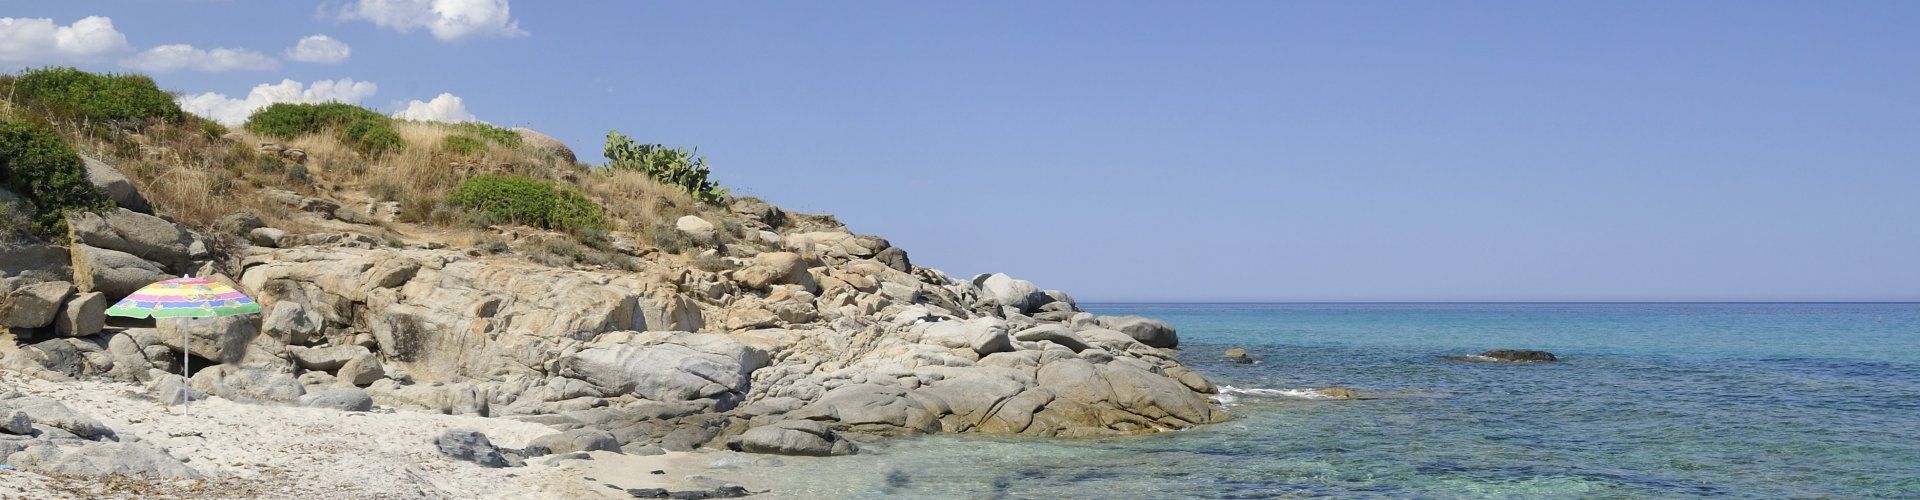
1650 400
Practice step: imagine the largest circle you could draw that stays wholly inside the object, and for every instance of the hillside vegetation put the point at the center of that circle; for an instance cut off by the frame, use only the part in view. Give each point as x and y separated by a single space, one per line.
448 182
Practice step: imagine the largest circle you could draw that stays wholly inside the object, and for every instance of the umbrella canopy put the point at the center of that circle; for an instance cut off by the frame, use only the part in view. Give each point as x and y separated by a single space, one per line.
184 298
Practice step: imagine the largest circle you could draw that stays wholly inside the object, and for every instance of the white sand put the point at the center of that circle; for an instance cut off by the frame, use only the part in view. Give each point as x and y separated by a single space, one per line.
255 451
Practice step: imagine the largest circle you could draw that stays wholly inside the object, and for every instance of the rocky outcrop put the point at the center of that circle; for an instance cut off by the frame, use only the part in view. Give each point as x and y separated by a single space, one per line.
806 339
144 236
546 143
1519 355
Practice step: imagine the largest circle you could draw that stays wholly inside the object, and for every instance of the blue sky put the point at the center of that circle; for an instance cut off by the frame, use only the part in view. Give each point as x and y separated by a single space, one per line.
1180 150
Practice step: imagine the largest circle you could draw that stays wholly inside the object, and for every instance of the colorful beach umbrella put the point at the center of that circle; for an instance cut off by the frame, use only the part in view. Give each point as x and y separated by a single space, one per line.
184 298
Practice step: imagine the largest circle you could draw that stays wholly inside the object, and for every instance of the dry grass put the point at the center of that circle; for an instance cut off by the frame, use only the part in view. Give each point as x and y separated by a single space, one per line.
196 180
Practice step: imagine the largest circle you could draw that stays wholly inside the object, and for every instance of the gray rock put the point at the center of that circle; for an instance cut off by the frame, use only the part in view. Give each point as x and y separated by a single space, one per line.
35 305
362 370
22 258
796 437
1151 332
471 446
547 144
172 389
642 450
248 385
343 399
141 235
267 237
114 273
1052 333
326 359
777 268
15 422
116 185
291 322
49 412
104 459
576 440
988 335
697 228
895 258
83 315
685 367
1519 355
224 339
239 223
1239 355
1001 290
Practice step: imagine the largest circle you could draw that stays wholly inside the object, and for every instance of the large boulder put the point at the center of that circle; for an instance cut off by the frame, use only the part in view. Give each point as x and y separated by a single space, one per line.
116 186
248 385
777 268
224 339
1052 333
85 314
681 367
362 370
583 439
471 446
49 412
697 228
35 305
1148 331
114 273
796 437
19 258
104 459
1002 290
547 144
326 359
343 399
988 335
141 235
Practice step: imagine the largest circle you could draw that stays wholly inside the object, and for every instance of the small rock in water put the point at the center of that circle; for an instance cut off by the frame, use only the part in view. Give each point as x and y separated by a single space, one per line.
1519 355
1239 355
1338 393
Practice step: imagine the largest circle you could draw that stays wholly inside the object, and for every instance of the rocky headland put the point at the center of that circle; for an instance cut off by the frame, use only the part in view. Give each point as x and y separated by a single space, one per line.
729 324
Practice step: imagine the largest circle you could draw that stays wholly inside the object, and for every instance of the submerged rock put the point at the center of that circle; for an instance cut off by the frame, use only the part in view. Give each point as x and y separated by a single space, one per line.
1239 355
1507 355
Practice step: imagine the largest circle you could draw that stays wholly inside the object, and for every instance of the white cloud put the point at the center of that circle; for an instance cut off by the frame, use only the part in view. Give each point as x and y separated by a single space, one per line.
319 49
448 20
230 111
40 40
181 56
443 108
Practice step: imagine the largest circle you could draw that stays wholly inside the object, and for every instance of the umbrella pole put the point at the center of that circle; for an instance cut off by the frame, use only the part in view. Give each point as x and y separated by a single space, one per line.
186 389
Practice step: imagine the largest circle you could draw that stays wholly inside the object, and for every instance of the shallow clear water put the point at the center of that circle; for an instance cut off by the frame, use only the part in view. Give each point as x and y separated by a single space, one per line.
1650 400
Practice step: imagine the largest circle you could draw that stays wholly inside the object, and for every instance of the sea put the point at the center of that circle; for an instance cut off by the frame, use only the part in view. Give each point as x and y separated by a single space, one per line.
1654 400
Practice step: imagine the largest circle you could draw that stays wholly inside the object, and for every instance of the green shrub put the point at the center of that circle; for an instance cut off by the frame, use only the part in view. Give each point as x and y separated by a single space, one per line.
463 145
501 136
43 170
363 129
676 167
529 201
106 97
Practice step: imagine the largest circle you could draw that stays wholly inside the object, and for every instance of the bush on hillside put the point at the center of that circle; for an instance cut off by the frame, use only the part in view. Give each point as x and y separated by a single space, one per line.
463 145
36 165
529 201
681 168
73 93
501 136
363 129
